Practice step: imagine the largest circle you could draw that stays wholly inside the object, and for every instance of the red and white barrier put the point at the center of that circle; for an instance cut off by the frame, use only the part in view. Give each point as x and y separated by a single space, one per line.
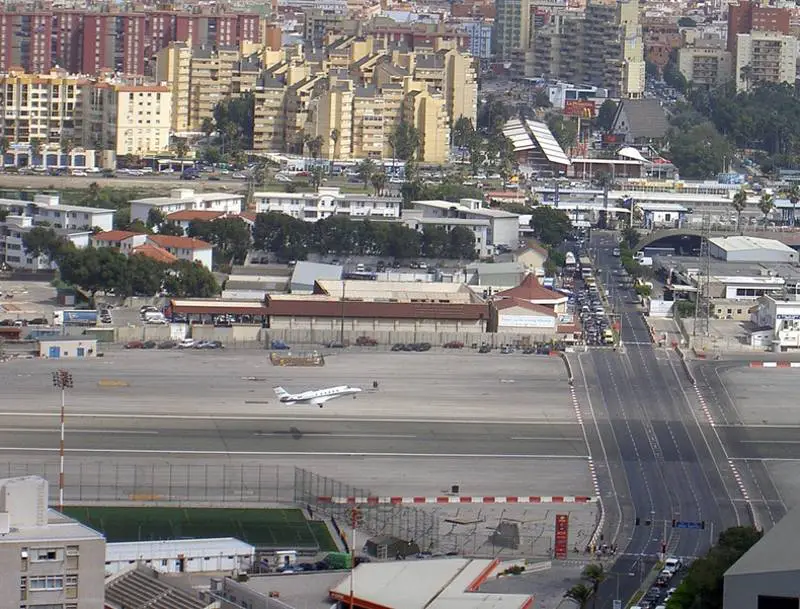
456 499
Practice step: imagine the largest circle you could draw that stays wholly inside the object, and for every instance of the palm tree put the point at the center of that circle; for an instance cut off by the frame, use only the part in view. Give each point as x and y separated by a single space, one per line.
793 194
5 144
207 126
36 144
765 205
316 176
335 140
366 169
580 593
378 180
595 574
315 146
181 149
738 204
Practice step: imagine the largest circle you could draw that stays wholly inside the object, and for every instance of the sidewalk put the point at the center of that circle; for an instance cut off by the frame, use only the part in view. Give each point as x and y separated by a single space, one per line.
665 331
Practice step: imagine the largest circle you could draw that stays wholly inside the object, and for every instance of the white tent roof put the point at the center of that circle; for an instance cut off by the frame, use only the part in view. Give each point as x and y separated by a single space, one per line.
534 134
631 153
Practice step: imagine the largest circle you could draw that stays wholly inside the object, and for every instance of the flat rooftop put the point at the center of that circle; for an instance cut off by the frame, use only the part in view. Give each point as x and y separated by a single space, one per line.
59 527
399 291
427 584
301 590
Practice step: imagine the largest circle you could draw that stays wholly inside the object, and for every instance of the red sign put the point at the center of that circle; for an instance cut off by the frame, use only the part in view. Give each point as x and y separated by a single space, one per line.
582 108
562 536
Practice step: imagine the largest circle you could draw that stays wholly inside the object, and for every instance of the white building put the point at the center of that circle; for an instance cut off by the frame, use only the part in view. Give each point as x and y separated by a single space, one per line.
185 198
164 248
743 248
503 226
72 222
185 217
776 323
764 57
181 556
327 202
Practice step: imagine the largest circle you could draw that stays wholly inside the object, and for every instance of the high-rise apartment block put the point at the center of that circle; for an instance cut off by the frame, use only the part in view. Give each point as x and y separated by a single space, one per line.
90 41
601 47
47 559
746 16
704 60
765 57
512 31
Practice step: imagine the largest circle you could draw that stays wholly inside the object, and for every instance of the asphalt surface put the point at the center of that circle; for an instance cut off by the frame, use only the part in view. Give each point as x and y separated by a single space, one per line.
243 436
659 459
748 444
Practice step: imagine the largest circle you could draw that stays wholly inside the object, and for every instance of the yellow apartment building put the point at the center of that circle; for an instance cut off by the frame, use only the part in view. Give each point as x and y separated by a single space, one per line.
368 130
428 113
128 119
173 66
42 107
269 116
334 110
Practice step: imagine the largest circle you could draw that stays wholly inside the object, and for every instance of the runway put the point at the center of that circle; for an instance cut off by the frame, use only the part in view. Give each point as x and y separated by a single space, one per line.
289 436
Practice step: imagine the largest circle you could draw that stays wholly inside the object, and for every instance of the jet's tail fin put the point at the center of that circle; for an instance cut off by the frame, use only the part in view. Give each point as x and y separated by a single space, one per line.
280 391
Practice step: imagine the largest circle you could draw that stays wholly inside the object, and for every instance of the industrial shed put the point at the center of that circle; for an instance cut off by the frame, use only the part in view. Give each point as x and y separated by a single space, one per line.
767 576
181 556
743 248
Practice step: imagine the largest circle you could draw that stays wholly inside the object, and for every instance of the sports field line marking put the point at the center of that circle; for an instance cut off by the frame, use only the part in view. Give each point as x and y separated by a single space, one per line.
285 453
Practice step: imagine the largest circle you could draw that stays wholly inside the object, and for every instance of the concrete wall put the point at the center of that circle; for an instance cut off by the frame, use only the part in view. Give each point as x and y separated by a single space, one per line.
388 338
375 324
742 591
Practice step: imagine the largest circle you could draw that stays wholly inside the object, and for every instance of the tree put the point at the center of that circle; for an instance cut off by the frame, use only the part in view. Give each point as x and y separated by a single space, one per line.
283 235
5 144
699 152
316 174
595 574
606 114
492 115
365 170
155 218
170 228
793 194
42 241
477 155
550 226
185 279
541 98
335 140
738 204
580 593
234 120
404 141
378 180
630 237
765 205
435 241
462 243
37 145
93 269
229 236
143 276
181 148
315 146
462 131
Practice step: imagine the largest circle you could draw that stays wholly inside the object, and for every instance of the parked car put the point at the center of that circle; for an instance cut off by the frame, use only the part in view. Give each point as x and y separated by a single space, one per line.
398 347
39 321
134 344
278 345
454 344
484 349
366 341
507 349
149 344
186 343
167 344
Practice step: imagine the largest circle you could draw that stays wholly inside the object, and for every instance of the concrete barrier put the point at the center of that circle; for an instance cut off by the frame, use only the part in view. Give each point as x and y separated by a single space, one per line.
685 366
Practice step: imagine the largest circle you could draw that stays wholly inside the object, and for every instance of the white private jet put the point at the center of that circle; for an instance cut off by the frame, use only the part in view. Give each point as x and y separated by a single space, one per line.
317 398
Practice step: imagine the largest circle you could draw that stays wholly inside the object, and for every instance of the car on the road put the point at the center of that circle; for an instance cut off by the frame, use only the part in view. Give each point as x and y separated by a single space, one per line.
506 349
484 349
278 345
186 343
149 344
134 344
672 564
453 344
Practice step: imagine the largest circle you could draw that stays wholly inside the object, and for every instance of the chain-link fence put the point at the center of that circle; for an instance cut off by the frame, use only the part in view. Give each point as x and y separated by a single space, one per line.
165 482
403 522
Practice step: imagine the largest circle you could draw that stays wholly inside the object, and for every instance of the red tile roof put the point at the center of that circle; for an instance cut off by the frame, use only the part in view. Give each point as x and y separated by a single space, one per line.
530 289
178 243
300 307
113 235
249 216
194 214
154 252
507 303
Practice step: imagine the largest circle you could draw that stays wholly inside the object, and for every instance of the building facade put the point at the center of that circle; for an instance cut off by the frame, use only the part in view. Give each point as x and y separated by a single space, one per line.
325 203
765 57
180 199
47 559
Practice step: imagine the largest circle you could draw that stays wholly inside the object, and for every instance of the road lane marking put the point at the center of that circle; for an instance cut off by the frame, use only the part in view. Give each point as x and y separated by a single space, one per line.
546 439
324 434
284 453
316 419
134 432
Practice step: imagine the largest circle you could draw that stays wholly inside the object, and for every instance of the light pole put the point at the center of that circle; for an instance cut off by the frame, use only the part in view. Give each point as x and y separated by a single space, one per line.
62 379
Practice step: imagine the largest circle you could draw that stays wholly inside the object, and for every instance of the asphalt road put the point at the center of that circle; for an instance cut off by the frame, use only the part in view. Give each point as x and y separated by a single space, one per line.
663 464
748 444
288 436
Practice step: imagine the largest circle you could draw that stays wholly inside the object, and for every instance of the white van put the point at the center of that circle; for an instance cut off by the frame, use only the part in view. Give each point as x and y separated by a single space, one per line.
154 317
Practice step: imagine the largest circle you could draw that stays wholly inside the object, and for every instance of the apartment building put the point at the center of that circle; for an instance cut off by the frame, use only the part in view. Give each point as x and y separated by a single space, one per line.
164 248
704 60
746 16
74 223
269 115
763 56
327 202
427 111
368 138
173 67
47 558
602 47
127 119
41 108
512 30
89 41
180 199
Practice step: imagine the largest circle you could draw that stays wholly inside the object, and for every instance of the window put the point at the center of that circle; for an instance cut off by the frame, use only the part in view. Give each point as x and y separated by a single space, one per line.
46 582
43 554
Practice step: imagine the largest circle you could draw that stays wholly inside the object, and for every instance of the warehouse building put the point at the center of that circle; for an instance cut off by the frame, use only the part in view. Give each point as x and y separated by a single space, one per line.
743 248
181 556
767 576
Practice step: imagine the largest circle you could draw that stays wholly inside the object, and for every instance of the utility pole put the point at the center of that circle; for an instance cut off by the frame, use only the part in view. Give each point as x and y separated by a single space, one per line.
62 379
702 312
341 326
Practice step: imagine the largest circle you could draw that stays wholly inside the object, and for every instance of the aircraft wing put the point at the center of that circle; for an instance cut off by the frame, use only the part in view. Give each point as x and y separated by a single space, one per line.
321 400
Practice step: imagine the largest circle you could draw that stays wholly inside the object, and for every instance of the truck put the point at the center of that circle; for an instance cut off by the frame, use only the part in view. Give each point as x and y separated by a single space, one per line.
569 260
75 317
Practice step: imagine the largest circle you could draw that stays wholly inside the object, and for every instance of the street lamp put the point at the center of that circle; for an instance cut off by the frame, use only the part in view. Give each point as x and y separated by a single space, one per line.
62 379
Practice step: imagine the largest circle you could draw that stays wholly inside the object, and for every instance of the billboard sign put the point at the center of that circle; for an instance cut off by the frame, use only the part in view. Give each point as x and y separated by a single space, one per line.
582 108
562 536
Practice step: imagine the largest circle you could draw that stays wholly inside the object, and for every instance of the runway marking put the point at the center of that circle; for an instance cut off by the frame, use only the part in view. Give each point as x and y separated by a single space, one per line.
769 441
133 432
323 434
546 439
285 453
329 419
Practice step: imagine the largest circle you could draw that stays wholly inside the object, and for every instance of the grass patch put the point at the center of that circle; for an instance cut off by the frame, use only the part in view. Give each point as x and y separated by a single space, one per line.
269 528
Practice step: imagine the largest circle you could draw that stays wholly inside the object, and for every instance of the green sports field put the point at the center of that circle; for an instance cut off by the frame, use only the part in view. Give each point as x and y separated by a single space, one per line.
269 528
